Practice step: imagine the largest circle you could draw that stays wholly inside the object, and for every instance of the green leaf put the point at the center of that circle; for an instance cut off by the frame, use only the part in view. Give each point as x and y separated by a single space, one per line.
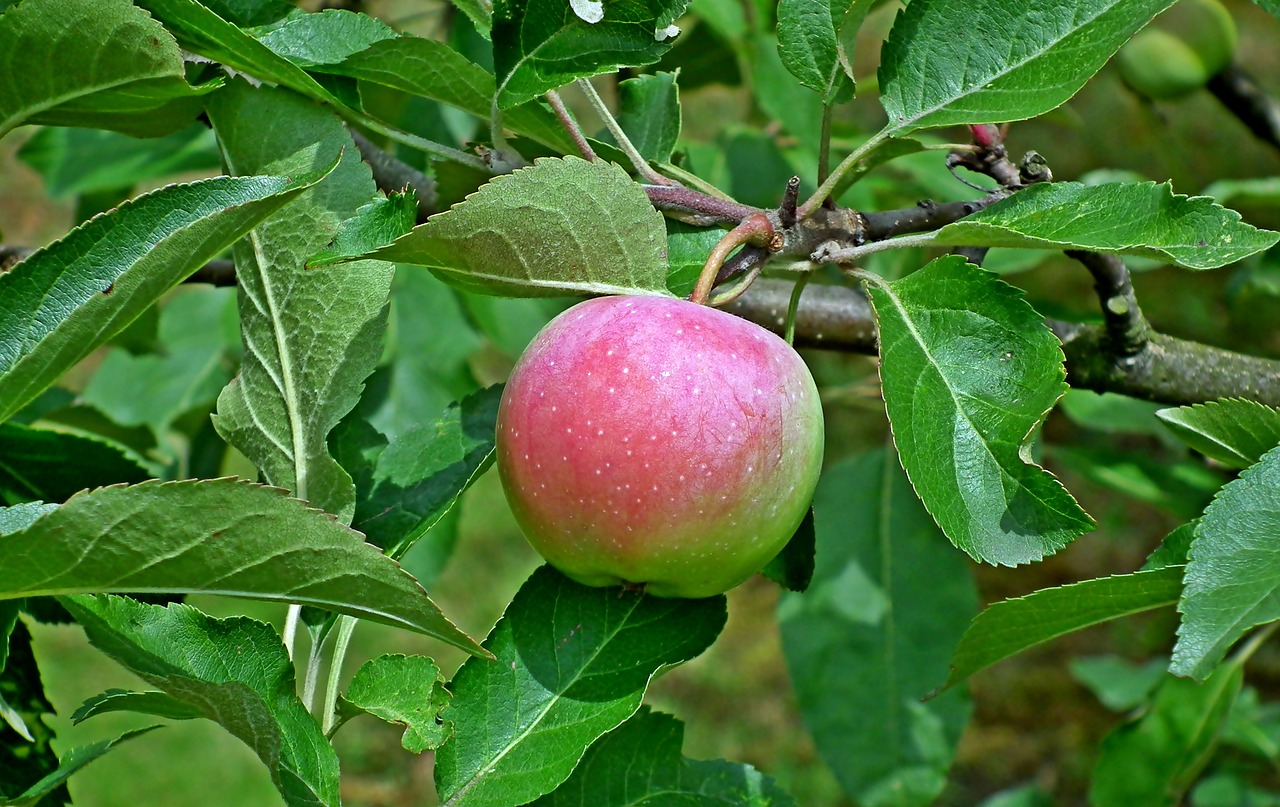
1254 190
1118 683
1180 487
1272 6
157 704
194 367
71 762
560 226
873 635
126 74
408 690
1154 760
969 371
251 13
1234 431
649 112
1124 218
302 371
541 45
883 152
1009 67
68 298
792 568
179 381
511 323
327 37
419 477
728 18
798 109
479 11
1174 547
8 619
572 663
1011 626
639 763
1110 413
687 251
1233 574
234 671
51 466
201 30
20 516
433 70
26 754
220 536
811 37
79 161
374 225
431 341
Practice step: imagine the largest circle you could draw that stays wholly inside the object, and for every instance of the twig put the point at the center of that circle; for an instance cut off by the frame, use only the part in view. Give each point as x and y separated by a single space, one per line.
1167 370
1126 328
739 288
755 229
925 216
828 186
1242 96
702 210
744 260
849 255
391 175
838 317
571 126
421 143
790 201
974 255
641 165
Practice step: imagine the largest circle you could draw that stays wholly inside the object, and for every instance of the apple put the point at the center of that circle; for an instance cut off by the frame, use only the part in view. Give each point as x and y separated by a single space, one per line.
1180 50
659 444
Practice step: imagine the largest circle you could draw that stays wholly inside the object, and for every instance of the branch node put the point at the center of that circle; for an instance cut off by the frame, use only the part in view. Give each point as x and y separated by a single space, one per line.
790 201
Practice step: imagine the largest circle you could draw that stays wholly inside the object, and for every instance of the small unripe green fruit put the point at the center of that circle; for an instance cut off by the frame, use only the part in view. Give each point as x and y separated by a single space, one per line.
657 443
1179 51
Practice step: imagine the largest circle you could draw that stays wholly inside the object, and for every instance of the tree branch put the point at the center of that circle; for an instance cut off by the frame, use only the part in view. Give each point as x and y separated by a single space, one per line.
392 175
1126 328
1242 96
1166 369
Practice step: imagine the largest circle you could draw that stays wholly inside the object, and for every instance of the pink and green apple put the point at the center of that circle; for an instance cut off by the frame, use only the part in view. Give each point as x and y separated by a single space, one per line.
657 443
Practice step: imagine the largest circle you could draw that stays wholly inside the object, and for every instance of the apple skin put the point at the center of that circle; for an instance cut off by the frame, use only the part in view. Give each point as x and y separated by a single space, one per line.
657 443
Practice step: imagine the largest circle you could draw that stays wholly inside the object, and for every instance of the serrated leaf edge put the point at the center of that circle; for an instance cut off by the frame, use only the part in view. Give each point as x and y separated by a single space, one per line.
1024 450
1180 663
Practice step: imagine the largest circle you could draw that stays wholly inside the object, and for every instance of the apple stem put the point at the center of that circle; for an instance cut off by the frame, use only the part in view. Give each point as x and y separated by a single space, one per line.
755 229
738 288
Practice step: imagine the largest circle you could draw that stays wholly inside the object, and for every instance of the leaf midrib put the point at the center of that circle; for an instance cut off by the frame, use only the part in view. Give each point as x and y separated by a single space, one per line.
8 124
937 368
1010 67
542 712
301 467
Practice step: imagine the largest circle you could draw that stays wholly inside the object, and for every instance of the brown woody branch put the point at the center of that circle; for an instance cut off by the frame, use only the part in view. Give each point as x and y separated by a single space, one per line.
1165 369
1242 97
392 175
